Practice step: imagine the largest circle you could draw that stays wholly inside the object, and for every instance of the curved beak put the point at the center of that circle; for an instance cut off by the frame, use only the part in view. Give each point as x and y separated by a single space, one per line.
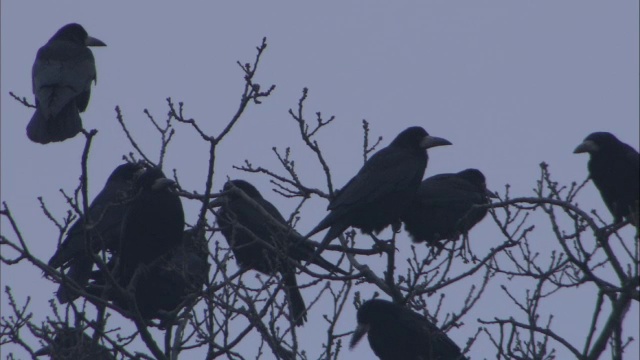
586 146
433 141
139 172
44 351
162 183
358 333
490 194
91 41
217 202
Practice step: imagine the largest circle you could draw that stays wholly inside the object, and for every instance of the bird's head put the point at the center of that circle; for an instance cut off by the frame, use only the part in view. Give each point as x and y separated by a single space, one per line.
476 177
154 179
417 137
370 312
596 142
229 192
127 172
77 34
245 186
65 339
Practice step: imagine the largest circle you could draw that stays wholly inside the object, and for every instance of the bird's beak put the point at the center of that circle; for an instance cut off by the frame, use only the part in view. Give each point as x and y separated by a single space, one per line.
586 146
490 194
139 172
217 202
91 41
358 333
162 183
432 141
44 351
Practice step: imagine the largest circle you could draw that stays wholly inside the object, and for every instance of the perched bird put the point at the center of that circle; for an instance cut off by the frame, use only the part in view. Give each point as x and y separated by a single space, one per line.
169 282
73 344
396 332
260 244
103 226
443 206
152 226
615 170
61 79
378 194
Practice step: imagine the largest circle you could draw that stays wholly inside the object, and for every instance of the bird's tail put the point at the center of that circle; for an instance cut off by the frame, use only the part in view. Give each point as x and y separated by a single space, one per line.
79 272
334 232
66 124
297 308
320 261
303 250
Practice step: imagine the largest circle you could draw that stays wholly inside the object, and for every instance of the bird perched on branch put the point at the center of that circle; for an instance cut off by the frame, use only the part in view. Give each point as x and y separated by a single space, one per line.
614 168
103 224
396 332
168 283
152 226
380 191
61 79
443 206
261 239
73 344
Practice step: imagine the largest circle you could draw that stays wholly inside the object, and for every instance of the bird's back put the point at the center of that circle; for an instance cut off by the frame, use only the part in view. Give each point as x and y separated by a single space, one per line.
617 175
63 71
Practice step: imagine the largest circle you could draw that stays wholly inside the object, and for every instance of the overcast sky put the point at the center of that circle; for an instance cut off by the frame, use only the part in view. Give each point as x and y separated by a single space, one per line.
509 83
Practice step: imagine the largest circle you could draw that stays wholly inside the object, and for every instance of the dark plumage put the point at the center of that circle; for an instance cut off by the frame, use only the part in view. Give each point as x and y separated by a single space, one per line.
61 79
168 283
396 332
442 207
614 168
152 225
261 245
73 344
377 195
105 221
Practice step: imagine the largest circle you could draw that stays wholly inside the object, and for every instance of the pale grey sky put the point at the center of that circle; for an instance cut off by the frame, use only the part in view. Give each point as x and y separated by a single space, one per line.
509 83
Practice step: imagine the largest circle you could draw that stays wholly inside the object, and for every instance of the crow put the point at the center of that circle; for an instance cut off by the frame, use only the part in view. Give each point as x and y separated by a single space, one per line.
152 226
396 332
443 206
262 245
61 79
103 226
378 194
72 343
615 170
168 283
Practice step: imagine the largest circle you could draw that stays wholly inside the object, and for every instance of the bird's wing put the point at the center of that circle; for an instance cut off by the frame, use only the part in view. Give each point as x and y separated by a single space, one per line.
386 171
62 72
632 157
108 222
430 334
303 249
298 248
449 189
272 210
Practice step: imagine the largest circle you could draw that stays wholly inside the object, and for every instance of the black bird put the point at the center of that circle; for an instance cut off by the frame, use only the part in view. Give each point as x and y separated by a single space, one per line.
153 223
615 170
396 332
442 207
378 194
105 221
261 245
61 79
169 282
73 344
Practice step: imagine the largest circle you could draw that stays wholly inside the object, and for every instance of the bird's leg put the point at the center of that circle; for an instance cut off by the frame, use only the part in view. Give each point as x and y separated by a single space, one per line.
382 245
435 247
